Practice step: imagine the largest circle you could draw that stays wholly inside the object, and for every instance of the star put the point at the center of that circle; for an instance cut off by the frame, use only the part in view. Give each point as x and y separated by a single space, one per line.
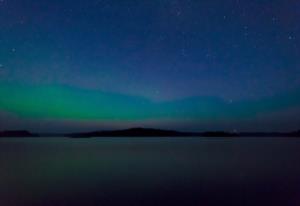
183 52
274 19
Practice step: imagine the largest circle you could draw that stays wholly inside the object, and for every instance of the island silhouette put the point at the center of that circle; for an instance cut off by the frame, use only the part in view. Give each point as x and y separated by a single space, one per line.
147 132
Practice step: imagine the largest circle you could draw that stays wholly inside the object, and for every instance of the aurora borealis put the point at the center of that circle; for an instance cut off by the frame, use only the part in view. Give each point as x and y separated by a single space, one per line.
188 65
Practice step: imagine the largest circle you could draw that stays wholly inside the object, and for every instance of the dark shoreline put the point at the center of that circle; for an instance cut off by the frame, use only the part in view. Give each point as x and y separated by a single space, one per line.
149 132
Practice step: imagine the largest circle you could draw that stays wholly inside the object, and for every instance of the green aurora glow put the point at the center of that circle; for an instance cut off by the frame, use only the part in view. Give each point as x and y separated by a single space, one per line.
63 102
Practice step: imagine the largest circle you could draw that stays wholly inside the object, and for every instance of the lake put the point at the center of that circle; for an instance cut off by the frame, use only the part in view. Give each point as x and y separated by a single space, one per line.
149 171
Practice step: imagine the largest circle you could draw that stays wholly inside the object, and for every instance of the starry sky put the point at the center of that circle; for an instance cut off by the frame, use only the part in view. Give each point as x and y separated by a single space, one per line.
73 65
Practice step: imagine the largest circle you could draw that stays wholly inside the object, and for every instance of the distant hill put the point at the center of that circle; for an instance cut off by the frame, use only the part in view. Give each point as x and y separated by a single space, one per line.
270 134
148 132
295 134
17 133
133 132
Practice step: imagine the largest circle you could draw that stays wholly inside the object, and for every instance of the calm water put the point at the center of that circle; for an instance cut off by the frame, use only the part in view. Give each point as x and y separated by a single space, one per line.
149 171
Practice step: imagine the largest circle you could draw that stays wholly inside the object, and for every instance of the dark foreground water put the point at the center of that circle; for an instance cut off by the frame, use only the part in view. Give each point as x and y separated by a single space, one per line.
149 171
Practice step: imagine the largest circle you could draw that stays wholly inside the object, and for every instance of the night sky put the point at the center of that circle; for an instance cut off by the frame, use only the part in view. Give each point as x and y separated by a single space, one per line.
73 65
